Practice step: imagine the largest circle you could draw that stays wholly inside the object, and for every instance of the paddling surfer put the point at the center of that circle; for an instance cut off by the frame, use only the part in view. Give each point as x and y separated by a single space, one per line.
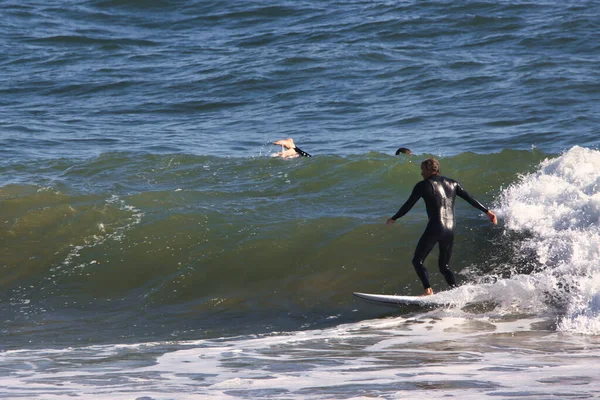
439 194
289 149
403 150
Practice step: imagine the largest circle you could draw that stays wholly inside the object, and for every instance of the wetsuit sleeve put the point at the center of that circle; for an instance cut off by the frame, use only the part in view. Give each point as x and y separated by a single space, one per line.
470 199
416 194
301 152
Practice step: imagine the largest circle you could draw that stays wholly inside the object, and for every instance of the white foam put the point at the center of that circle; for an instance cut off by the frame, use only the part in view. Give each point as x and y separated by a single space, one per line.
558 207
117 234
424 356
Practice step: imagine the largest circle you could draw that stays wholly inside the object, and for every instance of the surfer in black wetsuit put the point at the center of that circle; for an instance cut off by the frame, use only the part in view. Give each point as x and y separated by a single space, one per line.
291 150
439 194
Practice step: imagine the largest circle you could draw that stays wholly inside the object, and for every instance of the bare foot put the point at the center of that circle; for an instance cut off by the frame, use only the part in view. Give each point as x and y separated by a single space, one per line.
427 292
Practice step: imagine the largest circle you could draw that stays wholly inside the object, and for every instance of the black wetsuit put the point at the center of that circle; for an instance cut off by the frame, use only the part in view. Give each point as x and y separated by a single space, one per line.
301 152
439 194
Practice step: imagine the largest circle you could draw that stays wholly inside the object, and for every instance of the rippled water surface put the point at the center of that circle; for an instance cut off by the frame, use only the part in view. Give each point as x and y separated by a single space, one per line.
152 248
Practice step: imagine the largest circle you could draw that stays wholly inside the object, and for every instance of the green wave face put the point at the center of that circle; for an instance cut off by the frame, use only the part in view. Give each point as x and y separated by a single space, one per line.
195 241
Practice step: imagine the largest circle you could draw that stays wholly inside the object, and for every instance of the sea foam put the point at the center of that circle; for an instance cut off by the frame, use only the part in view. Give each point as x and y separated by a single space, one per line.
557 208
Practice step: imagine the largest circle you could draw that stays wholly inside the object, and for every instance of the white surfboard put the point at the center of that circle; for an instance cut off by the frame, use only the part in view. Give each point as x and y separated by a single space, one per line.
395 301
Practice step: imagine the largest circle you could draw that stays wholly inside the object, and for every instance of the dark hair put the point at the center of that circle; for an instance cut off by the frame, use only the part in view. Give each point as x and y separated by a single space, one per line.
431 165
403 150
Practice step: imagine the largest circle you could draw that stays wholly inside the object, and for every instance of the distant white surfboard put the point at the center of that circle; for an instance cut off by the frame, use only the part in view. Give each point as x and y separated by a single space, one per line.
394 300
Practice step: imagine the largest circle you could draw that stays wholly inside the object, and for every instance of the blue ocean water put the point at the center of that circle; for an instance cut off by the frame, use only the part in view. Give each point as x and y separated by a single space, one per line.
152 247
224 78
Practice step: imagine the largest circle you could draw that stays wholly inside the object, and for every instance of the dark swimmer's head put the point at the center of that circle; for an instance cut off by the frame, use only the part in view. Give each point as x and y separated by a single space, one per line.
403 150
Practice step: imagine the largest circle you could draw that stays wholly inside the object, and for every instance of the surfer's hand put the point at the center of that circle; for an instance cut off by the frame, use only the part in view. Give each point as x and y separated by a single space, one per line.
492 217
389 222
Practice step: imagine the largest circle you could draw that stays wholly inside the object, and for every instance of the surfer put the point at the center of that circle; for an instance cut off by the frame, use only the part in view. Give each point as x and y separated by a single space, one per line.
439 194
403 150
289 149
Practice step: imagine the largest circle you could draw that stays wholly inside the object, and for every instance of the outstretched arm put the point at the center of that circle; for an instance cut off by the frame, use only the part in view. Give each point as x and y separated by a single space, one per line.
412 200
473 201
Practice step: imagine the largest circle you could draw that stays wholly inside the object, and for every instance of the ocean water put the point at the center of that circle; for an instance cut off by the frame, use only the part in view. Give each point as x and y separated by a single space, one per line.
151 246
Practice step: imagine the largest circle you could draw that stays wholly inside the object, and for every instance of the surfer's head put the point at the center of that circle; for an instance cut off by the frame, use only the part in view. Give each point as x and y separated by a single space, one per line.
403 150
430 167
